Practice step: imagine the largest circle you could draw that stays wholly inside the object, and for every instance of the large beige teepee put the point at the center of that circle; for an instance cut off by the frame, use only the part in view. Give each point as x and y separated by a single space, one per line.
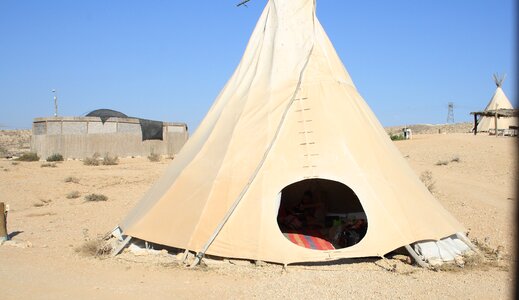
498 101
290 112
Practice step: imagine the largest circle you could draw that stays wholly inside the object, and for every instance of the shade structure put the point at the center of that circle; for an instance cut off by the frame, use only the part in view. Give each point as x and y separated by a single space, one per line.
498 101
290 112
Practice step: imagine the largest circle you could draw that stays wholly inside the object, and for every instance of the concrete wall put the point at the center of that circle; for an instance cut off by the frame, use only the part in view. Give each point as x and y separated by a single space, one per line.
80 137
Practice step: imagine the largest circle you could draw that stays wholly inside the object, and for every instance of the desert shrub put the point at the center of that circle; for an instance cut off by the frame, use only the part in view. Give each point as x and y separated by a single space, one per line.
456 159
427 179
95 248
95 198
73 195
48 165
110 160
442 162
55 157
15 163
92 161
72 179
3 151
154 157
396 137
29 156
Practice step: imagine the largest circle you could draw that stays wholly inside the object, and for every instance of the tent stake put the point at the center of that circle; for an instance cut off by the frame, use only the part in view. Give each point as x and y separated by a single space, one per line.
197 260
417 258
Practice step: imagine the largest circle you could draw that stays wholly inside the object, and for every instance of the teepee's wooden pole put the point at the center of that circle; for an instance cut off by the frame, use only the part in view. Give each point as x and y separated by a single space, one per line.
3 223
242 3
121 246
467 241
416 258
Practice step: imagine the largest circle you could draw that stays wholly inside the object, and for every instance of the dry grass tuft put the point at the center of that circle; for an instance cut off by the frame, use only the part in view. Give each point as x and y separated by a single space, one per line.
427 179
42 203
28 156
3 152
73 195
110 160
92 161
15 163
154 157
95 198
442 163
72 179
96 248
48 165
456 159
55 157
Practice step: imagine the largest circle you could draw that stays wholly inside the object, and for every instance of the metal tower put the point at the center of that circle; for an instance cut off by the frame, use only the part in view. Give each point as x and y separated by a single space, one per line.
450 113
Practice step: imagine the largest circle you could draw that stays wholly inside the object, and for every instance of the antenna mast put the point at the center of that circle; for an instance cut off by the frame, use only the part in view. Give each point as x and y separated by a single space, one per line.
450 113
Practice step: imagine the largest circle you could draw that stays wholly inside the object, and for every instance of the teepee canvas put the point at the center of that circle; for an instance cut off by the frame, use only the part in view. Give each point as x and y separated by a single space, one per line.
498 101
290 114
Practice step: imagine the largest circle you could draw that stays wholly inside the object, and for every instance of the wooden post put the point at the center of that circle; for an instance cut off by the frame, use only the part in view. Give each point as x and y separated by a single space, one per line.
475 124
416 258
495 122
3 224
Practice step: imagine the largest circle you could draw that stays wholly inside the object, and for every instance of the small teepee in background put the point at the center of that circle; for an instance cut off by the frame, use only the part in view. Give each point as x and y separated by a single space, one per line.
498 101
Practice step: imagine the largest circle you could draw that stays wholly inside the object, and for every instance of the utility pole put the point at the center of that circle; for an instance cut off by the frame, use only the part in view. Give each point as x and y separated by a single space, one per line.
450 113
55 102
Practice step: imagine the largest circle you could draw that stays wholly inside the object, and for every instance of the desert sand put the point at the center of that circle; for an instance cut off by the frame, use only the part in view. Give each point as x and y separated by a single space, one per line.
474 178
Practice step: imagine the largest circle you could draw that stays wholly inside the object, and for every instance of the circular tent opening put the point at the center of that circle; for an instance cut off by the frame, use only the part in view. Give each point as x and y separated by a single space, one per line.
321 214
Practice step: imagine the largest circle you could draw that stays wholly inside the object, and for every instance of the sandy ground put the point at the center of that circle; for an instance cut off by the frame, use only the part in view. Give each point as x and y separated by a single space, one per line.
48 228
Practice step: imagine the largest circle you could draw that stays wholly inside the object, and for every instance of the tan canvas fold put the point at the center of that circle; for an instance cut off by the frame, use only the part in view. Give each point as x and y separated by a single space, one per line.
249 147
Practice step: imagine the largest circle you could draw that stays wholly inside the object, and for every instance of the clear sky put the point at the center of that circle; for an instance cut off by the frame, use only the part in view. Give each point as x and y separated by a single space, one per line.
168 60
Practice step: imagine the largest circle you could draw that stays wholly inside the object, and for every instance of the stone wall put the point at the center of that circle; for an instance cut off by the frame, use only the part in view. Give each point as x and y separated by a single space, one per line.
80 137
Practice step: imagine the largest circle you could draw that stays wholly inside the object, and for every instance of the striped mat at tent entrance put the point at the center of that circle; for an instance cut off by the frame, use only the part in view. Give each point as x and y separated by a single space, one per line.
308 241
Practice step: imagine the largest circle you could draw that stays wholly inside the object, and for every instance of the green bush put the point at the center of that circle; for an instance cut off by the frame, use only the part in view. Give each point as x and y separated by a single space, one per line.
396 137
28 156
55 157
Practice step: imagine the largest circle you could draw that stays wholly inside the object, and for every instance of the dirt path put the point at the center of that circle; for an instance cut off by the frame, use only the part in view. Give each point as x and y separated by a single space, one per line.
478 190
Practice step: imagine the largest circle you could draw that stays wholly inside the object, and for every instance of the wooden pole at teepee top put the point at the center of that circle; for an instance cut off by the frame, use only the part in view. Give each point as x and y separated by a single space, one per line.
243 3
3 223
